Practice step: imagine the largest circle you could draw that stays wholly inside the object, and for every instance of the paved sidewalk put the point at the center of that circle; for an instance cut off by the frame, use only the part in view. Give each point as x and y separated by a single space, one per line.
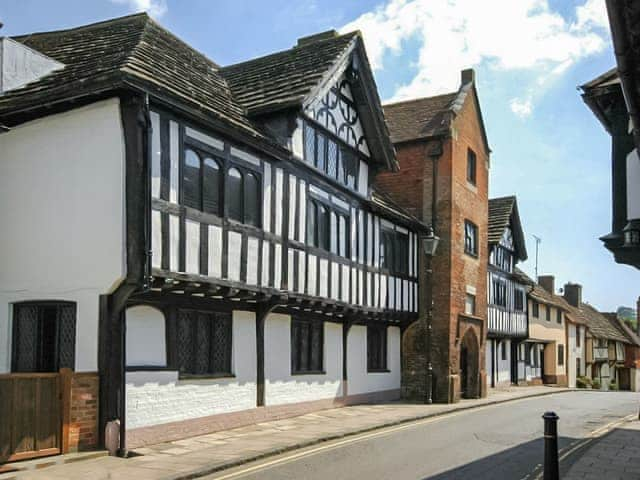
205 454
615 456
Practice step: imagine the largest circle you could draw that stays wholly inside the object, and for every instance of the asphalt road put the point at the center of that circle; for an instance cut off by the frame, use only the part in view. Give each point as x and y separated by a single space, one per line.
496 442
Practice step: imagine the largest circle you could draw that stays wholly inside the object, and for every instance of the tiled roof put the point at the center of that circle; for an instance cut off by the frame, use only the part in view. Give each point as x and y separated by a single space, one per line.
419 118
384 203
499 217
128 50
624 328
284 78
599 325
501 213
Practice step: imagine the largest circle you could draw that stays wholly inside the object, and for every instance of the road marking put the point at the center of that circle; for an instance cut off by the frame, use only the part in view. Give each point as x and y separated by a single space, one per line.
356 439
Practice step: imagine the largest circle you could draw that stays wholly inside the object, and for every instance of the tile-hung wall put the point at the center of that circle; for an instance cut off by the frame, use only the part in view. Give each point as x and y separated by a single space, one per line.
268 246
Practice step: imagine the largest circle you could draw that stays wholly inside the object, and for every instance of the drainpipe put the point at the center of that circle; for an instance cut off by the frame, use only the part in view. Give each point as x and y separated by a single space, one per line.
434 153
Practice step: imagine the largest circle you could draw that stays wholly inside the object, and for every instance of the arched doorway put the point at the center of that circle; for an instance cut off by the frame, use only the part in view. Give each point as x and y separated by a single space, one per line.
469 368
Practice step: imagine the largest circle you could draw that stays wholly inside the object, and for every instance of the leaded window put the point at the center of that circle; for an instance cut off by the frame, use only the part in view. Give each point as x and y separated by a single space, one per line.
376 348
191 181
201 182
330 156
234 194
394 251
203 343
44 336
318 225
307 344
470 238
499 293
387 249
535 309
243 196
519 300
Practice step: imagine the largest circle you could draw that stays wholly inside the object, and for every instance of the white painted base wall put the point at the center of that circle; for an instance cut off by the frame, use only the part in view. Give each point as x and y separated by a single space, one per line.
280 386
160 397
493 357
360 381
62 217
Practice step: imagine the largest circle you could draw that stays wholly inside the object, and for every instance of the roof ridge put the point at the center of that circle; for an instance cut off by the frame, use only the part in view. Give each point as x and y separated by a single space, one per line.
295 47
81 27
415 100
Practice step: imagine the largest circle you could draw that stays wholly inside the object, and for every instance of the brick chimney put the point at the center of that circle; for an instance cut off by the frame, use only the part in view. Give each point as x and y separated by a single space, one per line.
468 75
573 293
548 282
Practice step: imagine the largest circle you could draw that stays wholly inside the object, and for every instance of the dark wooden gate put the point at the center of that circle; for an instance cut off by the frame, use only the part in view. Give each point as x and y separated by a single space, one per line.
31 415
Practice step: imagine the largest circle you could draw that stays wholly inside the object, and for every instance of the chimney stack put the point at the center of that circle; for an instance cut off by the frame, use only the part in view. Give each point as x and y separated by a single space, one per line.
548 282
573 294
468 75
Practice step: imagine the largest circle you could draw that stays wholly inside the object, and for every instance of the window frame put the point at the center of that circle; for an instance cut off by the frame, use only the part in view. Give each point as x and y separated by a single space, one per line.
535 309
473 304
472 167
202 155
559 316
471 239
173 355
560 355
382 354
547 313
343 152
38 345
297 350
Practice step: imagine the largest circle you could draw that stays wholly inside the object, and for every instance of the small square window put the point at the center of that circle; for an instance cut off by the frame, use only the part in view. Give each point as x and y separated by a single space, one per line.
470 304
535 309
471 167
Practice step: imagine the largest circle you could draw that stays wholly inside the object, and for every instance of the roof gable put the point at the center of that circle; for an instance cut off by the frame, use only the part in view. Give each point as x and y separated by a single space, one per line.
424 118
503 214
311 73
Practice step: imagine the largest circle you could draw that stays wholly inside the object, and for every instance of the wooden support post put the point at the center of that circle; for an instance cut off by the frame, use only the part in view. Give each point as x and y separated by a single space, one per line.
346 326
262 311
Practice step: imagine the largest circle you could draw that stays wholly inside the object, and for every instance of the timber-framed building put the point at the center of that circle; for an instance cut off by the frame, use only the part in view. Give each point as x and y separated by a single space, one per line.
203 242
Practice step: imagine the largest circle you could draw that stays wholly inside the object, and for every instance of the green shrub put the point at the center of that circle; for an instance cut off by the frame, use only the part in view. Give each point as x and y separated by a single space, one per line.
583 382
613 386
596 384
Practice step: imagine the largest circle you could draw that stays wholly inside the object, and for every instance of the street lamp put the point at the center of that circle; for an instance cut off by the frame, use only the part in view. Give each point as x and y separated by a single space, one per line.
429 245
632 233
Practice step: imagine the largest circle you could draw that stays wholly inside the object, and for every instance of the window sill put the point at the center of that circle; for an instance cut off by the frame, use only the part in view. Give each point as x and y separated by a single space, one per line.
221 376
379 370
471 254
472 186
149 368
310 372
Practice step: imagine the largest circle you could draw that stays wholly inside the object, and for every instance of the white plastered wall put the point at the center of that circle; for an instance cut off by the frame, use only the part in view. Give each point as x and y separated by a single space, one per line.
359 380
503 367
62 217
575 353
157 397
280 385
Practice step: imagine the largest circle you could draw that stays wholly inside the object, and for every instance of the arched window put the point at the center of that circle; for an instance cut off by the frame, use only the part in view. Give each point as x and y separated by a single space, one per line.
323 227
251 200
211 186
234 196
146 339
191 186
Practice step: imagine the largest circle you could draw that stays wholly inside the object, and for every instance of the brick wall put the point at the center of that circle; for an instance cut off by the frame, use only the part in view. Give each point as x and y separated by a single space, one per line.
80 411
454 272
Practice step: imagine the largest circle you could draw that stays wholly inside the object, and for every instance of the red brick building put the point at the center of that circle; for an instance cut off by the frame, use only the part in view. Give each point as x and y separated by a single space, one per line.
443 179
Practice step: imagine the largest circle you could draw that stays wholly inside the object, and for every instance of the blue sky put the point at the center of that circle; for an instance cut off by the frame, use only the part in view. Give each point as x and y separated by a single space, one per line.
548 148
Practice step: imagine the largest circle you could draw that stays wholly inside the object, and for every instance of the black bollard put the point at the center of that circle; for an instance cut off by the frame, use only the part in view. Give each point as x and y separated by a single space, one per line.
551 468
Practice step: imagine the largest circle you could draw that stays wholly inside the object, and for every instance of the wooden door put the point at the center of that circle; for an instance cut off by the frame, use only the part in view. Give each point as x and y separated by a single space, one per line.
31 423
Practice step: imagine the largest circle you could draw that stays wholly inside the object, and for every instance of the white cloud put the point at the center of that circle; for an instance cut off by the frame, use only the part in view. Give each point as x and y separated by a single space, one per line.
155 8
522 107
522 36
